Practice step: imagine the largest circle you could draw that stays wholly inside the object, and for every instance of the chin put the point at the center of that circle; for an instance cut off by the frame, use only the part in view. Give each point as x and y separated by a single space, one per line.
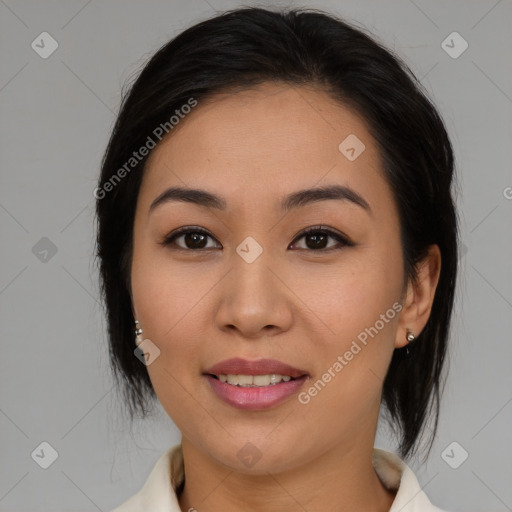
255 458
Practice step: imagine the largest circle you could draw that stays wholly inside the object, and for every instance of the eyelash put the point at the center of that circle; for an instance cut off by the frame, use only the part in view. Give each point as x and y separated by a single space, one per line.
341 239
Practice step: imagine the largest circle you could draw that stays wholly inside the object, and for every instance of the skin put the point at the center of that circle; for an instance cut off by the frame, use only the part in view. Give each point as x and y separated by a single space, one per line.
295 303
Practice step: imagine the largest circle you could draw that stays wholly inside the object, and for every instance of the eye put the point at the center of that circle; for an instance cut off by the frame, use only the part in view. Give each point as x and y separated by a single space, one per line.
195 238
318 236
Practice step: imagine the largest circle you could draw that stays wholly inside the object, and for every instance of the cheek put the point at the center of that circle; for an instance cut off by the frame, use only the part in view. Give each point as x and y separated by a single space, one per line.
351 367
358 303
168 302
349 296
162 293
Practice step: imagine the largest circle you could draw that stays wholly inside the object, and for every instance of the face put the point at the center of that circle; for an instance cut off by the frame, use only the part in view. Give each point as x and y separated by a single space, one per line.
245 281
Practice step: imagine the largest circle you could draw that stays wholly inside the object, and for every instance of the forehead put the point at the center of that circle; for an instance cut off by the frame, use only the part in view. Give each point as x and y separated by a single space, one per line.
258 144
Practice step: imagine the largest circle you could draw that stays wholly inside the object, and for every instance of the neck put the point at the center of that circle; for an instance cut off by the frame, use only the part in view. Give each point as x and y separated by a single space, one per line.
343 476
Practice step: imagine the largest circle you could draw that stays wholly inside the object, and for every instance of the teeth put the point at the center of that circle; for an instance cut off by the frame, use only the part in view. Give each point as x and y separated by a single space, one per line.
254 380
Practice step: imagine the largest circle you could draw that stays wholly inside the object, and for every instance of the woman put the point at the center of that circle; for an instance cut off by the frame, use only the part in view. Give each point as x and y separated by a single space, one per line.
275 221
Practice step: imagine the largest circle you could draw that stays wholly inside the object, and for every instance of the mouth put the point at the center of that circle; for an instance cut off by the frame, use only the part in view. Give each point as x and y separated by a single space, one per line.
254 385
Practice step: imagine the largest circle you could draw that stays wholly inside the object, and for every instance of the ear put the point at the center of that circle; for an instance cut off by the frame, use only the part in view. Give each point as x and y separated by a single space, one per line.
419 297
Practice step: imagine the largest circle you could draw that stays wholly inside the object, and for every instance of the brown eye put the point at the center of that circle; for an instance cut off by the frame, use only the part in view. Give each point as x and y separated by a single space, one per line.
193 239
317 239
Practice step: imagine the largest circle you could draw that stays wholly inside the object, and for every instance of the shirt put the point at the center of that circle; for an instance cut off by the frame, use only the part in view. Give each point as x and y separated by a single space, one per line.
158 493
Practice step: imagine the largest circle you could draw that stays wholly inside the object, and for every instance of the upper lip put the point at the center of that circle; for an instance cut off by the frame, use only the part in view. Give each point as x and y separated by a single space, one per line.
239 366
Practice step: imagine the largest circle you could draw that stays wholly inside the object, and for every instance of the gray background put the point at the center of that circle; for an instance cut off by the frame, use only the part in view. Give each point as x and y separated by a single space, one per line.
56 116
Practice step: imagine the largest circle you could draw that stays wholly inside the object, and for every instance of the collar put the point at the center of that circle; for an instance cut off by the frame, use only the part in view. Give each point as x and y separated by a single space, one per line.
158 493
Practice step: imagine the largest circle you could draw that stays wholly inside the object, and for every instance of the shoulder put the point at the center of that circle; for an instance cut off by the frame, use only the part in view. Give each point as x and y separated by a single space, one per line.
397 476
156 494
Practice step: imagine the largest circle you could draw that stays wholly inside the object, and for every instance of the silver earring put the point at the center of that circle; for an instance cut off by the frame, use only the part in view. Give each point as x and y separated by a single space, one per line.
410 337
138 333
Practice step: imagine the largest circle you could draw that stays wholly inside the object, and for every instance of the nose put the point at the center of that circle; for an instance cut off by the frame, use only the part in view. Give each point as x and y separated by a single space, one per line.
254 300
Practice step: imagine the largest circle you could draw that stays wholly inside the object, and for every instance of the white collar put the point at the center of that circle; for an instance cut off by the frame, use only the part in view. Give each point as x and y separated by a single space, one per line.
158 493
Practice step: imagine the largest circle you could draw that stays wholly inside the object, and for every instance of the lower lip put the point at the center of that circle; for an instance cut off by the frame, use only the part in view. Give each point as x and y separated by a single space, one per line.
255 398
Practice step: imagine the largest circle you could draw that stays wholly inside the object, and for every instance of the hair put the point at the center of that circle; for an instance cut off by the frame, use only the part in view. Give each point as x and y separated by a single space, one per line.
237 50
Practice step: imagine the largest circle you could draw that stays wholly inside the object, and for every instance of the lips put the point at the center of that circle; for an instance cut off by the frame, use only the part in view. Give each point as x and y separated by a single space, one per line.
272 382
239 366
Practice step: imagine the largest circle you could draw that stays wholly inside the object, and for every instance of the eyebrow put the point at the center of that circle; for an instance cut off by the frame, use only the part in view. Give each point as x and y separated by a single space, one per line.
293 200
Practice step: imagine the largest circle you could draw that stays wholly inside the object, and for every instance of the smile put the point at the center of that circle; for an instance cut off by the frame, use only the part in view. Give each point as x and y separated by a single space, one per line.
253 380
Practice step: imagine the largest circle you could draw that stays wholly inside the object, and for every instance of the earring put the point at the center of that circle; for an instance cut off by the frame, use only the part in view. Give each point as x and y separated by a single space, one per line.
410 337
138 333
